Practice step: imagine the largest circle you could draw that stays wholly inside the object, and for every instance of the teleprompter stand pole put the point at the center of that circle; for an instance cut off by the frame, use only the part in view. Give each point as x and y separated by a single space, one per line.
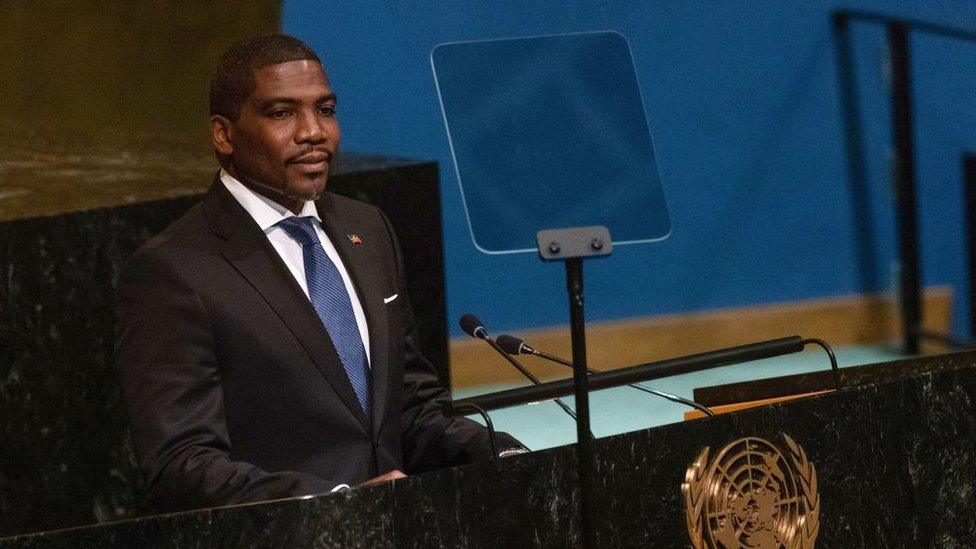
905 193
571 246
585 458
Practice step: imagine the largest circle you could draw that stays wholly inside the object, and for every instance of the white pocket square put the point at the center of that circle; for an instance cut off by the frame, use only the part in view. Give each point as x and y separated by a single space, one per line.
391 298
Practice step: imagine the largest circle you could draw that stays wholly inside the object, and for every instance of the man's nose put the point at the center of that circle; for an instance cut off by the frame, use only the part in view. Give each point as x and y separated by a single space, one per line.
310 129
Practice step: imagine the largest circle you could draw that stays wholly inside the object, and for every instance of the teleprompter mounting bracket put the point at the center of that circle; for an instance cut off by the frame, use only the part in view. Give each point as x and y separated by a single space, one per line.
575 242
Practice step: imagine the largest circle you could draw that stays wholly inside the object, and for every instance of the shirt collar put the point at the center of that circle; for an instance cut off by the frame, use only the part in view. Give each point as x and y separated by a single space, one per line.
266 212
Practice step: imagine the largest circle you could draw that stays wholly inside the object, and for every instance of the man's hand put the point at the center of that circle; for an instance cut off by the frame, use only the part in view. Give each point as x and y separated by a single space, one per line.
385 477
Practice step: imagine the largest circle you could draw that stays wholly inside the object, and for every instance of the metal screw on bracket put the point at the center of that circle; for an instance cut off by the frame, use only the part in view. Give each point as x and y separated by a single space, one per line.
554 247
597 244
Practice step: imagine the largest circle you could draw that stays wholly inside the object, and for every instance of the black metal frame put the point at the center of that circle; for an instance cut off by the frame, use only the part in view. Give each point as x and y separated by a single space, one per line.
635 374
969 199
909 249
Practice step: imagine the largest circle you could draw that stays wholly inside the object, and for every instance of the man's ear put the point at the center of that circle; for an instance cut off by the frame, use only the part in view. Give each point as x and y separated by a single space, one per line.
221 134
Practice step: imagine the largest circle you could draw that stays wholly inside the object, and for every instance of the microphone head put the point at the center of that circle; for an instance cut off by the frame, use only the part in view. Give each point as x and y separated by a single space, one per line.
510 344
473 327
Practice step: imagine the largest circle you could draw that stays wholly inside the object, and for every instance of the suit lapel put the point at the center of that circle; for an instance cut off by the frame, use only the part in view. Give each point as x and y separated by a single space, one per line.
364 266
252 255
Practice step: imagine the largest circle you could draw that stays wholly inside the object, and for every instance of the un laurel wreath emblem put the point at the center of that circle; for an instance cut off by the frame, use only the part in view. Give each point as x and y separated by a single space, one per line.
752 495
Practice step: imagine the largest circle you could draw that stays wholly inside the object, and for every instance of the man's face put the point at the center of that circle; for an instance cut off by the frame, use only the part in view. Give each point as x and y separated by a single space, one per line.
286 138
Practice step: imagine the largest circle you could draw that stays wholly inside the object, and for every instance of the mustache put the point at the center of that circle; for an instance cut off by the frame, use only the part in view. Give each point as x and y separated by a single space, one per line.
311 152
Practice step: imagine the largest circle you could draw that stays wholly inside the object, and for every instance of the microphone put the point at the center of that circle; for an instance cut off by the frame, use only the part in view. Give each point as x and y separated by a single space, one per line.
476 329
514 346
517 346
473 327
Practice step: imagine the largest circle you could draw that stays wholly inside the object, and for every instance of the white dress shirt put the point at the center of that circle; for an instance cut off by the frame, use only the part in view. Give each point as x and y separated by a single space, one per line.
267 213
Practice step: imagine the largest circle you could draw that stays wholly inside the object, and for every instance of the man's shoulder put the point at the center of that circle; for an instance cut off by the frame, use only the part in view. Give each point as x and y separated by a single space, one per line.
189 231
182 244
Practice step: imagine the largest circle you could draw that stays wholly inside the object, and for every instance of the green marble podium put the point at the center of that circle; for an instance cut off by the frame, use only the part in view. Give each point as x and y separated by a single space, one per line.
895 464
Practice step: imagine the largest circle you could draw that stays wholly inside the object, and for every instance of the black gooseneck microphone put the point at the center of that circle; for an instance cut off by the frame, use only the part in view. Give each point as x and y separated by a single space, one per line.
473 327
515 346
476 329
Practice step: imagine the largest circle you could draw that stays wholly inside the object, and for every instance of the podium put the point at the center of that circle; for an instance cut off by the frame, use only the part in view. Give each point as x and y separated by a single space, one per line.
893 457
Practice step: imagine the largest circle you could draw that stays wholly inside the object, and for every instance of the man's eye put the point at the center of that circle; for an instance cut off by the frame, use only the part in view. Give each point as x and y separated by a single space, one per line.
327 110
278 115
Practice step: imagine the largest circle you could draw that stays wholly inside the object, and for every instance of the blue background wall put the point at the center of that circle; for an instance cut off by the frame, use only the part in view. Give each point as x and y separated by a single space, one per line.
744 108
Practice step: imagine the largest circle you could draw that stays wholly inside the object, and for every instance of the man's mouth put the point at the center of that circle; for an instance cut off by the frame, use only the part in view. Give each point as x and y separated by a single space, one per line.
312 159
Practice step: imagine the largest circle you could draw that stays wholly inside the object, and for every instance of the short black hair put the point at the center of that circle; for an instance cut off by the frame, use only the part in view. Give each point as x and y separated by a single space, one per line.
233 79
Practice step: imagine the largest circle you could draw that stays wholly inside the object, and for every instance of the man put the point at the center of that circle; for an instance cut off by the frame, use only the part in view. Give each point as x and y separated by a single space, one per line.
267 344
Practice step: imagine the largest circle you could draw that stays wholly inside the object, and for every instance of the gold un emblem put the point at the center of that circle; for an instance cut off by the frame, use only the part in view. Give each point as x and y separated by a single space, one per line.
752 495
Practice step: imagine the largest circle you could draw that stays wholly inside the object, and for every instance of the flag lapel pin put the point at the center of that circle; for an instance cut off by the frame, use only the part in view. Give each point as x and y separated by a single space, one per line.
355 239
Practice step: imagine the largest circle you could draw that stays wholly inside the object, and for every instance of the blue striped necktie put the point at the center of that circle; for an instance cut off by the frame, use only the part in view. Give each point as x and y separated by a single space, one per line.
328 295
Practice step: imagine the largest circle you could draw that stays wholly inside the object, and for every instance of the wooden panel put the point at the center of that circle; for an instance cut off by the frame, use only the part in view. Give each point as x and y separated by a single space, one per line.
727 408
851 320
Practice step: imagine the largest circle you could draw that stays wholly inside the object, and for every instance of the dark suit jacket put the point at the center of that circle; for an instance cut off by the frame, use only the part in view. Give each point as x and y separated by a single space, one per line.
233 389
